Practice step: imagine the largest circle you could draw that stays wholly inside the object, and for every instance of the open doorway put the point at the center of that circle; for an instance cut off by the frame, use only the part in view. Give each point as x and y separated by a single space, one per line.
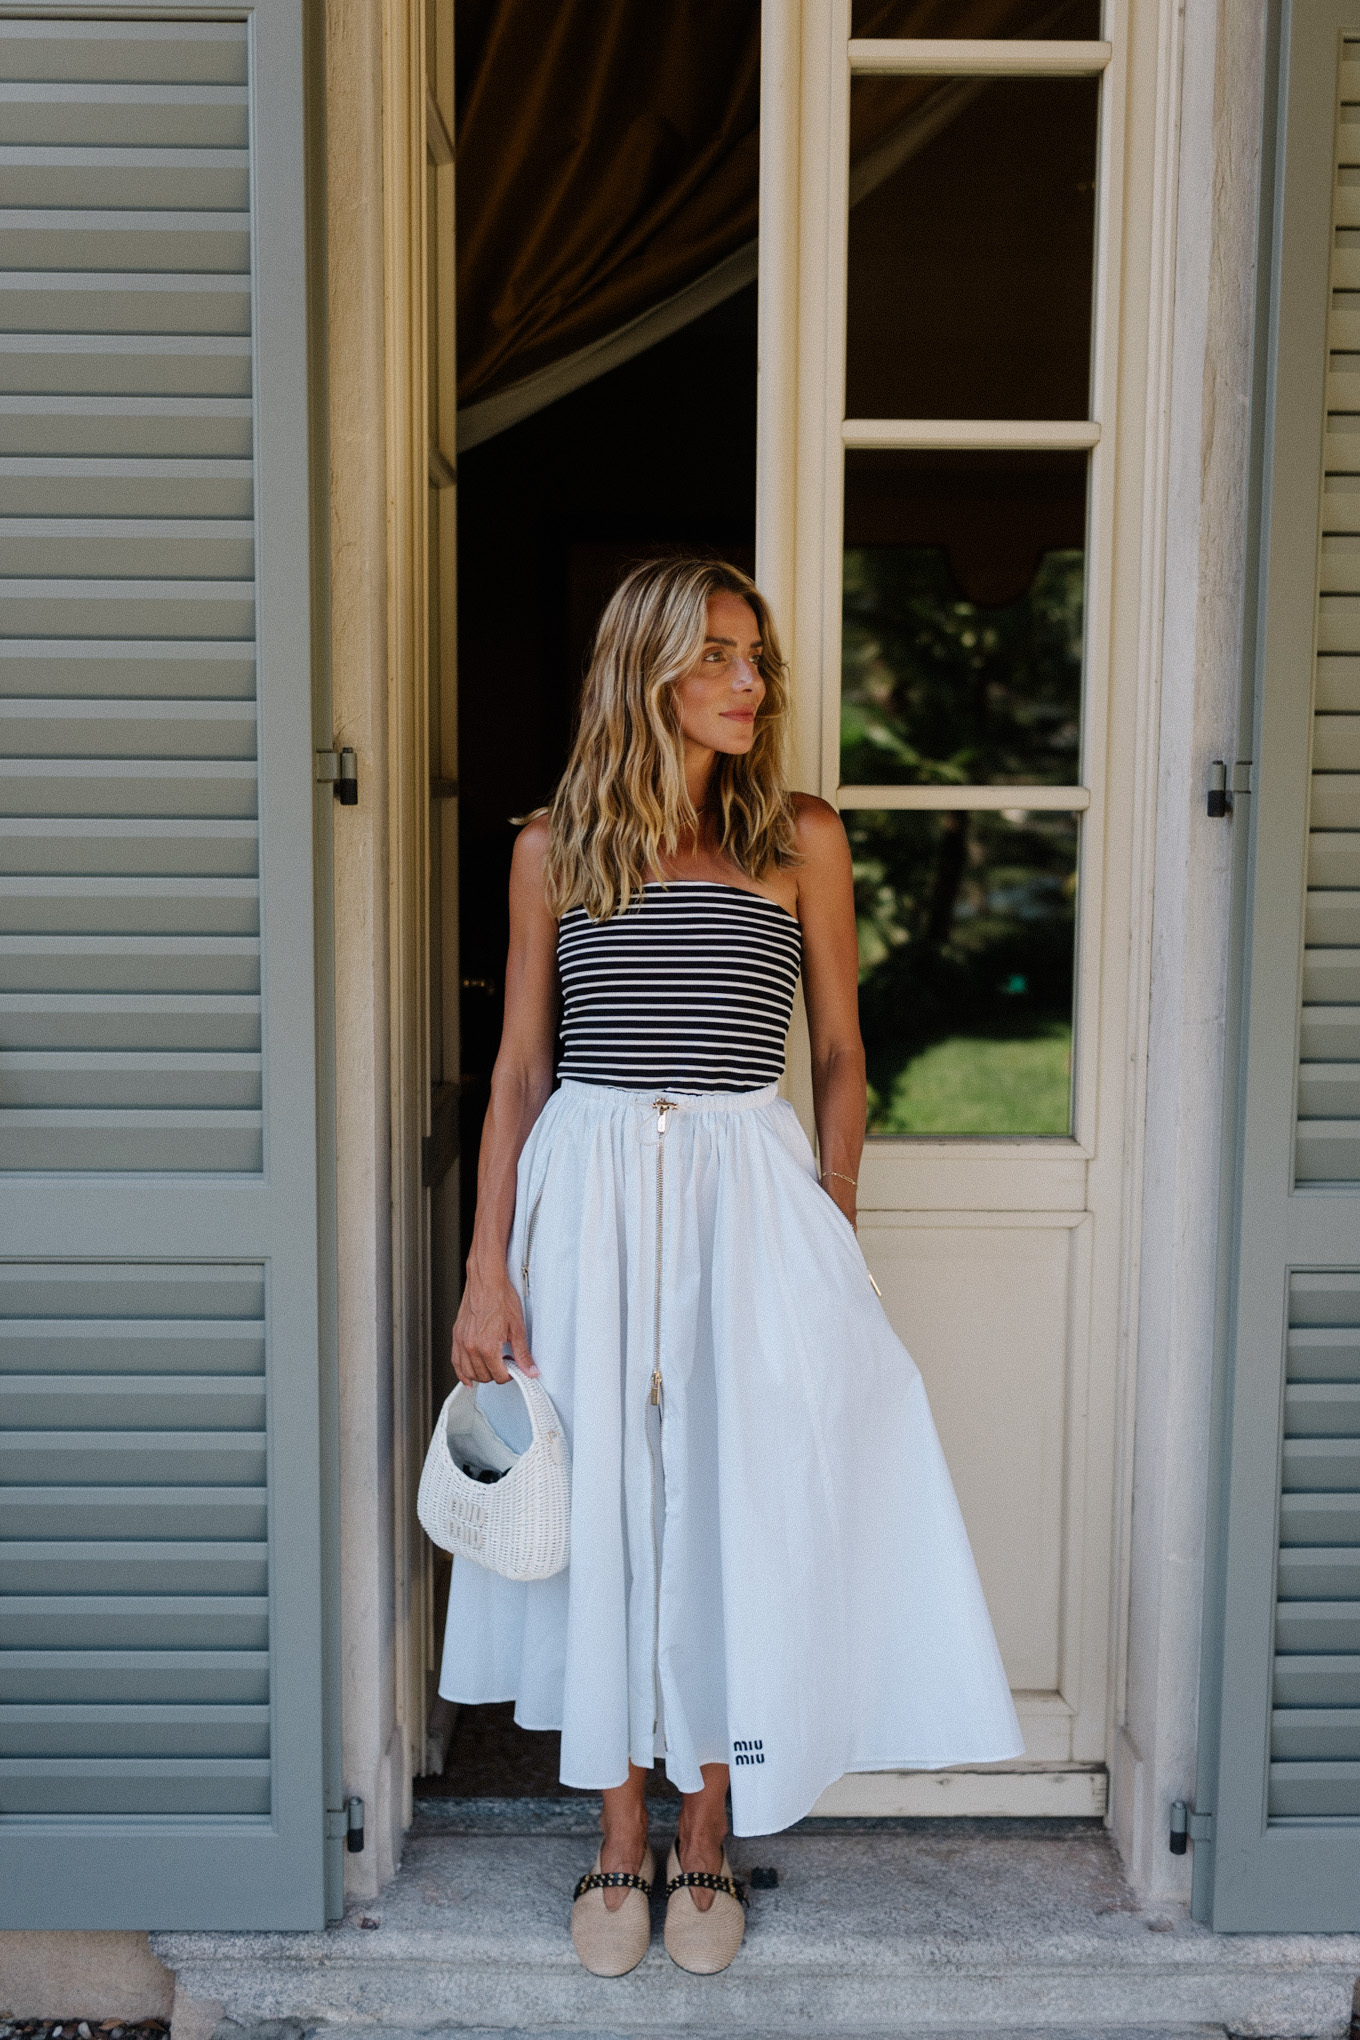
656 454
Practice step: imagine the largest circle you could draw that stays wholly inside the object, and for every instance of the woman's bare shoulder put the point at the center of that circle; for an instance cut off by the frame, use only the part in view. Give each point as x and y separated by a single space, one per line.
818 829
531 844
526 867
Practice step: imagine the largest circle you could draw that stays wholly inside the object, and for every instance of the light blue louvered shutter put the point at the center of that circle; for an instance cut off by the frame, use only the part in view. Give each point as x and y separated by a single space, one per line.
1285 1787
160 1573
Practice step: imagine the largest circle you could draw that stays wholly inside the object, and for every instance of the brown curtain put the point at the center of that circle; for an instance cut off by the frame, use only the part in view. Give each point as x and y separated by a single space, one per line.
608 156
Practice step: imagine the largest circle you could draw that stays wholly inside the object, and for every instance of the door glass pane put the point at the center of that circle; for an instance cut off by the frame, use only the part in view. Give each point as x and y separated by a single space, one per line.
962 619
966 931
971 247
986 20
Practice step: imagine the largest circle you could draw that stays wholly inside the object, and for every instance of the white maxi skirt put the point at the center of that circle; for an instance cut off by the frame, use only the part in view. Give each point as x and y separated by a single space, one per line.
768 1567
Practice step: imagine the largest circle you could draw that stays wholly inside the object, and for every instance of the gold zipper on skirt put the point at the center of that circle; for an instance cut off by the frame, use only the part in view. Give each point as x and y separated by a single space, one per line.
663 1109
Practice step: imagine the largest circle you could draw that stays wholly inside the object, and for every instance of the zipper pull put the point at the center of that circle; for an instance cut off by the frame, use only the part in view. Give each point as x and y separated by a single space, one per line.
655 1396
661 1106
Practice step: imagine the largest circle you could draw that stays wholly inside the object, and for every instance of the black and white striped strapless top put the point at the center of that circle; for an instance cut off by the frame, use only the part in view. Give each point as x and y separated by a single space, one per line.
690 989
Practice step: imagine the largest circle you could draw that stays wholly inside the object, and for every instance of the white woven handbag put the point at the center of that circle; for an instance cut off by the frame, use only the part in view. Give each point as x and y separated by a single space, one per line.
517 1523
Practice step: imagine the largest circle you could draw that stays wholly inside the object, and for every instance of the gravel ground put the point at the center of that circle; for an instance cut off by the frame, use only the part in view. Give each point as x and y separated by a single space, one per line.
83 2029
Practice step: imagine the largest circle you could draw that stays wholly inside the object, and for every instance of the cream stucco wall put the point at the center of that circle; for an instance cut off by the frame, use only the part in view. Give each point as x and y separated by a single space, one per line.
1209 397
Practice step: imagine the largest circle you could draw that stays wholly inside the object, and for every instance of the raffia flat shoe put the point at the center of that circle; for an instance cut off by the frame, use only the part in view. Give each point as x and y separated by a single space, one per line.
703 1942
612 1943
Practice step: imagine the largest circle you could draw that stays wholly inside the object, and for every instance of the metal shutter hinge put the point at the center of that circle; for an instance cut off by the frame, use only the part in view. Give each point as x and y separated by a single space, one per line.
1188 1826
346 1822
1222 790
340 769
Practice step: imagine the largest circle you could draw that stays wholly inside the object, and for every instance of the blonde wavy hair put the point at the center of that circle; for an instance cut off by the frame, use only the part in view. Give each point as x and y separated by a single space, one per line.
623 805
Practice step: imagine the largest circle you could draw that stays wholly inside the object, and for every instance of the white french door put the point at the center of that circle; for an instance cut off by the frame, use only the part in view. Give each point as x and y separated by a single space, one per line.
940 251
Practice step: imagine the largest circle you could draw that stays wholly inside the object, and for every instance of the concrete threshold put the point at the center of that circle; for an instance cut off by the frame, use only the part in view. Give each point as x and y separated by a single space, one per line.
906 1931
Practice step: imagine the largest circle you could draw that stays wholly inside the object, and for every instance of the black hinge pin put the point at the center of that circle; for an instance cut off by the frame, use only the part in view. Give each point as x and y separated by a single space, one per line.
354 1825
340 771
1220 804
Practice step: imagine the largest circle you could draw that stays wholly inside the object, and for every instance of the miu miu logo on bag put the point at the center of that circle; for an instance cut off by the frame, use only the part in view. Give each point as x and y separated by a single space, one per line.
748 1752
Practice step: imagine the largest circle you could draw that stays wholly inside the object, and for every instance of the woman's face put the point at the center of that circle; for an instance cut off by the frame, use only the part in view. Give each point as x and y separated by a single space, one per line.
719 696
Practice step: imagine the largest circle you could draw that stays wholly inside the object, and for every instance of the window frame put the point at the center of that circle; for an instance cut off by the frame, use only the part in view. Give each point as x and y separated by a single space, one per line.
809 63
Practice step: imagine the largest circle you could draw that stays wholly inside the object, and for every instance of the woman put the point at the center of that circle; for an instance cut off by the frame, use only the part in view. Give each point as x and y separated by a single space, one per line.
768 1567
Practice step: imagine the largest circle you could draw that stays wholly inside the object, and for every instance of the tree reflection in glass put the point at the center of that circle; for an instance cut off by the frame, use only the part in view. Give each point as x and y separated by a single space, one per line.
939 690
966 924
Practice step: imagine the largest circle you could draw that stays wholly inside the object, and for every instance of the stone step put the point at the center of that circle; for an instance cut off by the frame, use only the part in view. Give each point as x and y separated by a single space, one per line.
722 2032
905 1932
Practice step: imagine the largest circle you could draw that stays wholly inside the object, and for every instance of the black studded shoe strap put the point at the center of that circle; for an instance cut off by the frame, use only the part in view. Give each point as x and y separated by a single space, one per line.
709 1880
598 1880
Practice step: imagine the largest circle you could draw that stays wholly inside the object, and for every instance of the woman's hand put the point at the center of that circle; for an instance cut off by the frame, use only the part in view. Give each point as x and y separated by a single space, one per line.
489 1319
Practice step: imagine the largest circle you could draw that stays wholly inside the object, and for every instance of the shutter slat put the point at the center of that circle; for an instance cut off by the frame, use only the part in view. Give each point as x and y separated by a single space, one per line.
73 486
1333 919
1318 1628
133 1402
131 1082
1331 1734
1334 859
174 674
132 180
102 729
1337 684
168 1142
137 427
1336 800
127 608
130 1622
128 365
144 1458
130 906
52 1514
127 963
132 1677
1331 977
1314 1463
135 549
164 1730
138 52
188 243
150 1022
130 1345
114 1566
1324 1353
1327 1033
104 1785
48 301
1317 1681
135 116
1307 1573
1329 1090
1319 1791
135 847
1319 1518
146 788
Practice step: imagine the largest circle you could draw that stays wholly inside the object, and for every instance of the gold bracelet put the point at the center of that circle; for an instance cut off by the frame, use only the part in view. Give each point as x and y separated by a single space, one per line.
853 1181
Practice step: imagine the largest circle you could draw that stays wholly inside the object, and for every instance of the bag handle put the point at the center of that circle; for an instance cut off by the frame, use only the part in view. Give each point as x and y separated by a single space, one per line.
525 1383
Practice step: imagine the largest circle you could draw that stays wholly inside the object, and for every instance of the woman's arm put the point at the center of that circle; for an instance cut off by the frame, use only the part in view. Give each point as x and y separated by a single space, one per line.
489 1315
826 909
